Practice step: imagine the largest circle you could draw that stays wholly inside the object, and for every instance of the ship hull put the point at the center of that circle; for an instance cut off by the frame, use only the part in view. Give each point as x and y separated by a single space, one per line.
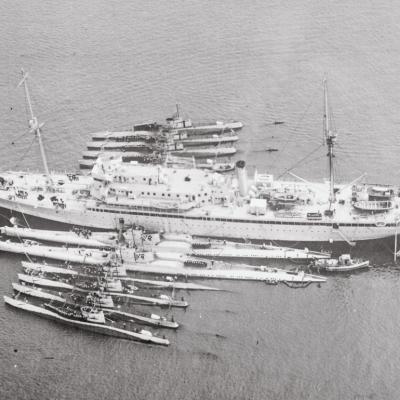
208 141
200 225
102 329
233 274
255 253
217 128
204 153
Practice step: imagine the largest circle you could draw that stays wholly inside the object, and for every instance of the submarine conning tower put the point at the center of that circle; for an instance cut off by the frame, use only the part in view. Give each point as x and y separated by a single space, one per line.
242 177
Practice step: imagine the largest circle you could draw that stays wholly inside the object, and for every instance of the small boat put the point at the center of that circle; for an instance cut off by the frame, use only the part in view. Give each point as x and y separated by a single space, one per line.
220 167
287 198
374 205
269 149
184 162
343 263
278 122
297 285
381 193
88 318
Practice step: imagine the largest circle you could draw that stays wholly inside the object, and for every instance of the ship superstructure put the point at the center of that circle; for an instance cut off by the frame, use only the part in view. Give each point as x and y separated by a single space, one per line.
206 203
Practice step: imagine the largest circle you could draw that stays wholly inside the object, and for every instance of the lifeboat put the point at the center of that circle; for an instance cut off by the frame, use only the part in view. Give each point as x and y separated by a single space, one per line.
374 206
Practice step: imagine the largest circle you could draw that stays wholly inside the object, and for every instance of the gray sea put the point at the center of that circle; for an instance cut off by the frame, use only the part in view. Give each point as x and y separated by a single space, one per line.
97 65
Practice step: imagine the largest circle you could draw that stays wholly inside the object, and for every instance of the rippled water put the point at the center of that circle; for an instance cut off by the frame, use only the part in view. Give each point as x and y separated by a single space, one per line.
104 65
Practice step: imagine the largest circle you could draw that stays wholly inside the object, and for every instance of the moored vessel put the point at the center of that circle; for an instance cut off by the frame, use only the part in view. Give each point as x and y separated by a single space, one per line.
99 300
107 260
264 274
342 264
85 321
154 299
208 204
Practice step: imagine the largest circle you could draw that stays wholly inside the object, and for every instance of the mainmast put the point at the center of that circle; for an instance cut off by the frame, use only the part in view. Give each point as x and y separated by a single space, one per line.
330 141
35 127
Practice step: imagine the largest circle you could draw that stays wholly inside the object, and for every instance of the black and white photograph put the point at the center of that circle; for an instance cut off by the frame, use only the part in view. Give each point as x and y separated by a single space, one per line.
199 200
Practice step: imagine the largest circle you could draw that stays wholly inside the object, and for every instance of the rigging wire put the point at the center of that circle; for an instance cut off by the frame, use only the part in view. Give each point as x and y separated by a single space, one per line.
33 141
13 142
346 159
299 163
295 129
56 108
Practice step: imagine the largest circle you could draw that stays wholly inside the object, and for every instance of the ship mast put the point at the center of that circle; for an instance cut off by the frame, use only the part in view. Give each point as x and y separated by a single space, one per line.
35 127
330 141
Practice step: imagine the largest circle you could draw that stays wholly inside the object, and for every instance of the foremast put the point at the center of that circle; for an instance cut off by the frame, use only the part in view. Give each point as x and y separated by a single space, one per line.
330 137
35 128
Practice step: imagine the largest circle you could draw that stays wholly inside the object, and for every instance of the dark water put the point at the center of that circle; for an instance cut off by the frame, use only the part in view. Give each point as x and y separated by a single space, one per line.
107 64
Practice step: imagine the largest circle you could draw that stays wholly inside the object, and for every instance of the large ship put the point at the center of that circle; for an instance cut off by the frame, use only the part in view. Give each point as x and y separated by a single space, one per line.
209 204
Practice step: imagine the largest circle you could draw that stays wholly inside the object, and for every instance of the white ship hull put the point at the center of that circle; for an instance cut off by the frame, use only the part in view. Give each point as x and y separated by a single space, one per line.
255 253
215 128
198 224
235 274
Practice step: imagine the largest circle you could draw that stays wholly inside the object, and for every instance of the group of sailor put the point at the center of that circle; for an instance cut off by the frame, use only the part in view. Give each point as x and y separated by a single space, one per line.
86 233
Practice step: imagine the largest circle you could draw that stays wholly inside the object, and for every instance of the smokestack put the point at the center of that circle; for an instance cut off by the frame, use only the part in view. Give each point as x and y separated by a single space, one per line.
242 177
